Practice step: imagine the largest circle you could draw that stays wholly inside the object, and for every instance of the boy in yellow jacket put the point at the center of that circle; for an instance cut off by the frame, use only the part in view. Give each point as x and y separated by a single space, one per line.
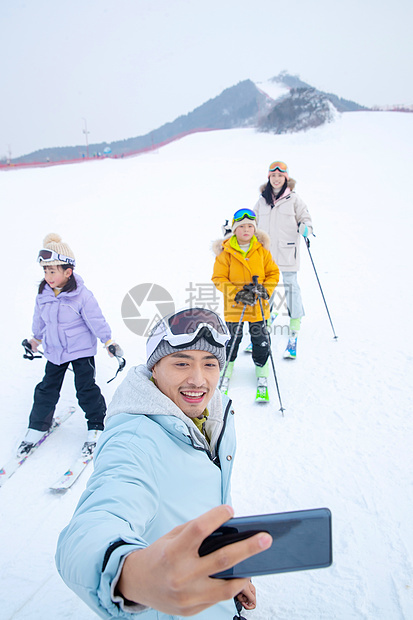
239 257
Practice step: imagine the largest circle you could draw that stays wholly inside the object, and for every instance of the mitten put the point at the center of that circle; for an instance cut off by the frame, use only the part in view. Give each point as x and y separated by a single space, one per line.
261 291
245 296
304 230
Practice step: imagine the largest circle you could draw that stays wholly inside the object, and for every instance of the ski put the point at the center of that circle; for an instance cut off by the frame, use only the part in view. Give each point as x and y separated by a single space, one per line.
225 385
291 350
13 465
72 474
262 395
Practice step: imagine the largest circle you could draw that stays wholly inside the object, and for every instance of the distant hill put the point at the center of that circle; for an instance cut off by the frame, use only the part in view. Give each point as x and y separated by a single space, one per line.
243 105
237 106
303 108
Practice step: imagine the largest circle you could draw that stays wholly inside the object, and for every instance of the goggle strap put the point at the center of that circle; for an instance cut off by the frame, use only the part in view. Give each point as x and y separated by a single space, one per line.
55 256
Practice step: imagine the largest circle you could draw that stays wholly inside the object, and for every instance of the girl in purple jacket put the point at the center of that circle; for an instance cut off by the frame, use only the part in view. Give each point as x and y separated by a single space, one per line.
67 322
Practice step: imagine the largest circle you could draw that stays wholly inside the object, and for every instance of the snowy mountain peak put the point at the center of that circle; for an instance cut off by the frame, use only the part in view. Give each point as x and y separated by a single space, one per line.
302 109
273 89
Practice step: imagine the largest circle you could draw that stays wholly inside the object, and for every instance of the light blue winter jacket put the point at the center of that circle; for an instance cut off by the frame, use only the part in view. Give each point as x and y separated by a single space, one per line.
69 324
153 470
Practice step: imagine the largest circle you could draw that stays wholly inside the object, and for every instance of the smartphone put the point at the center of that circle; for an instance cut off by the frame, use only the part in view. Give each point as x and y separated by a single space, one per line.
302 540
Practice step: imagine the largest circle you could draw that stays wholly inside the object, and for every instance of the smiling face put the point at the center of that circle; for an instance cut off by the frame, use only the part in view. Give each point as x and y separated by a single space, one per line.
188 378
244 233
56 277
277 180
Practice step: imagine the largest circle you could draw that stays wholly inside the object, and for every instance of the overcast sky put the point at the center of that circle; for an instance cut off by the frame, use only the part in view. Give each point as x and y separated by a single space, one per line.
125 67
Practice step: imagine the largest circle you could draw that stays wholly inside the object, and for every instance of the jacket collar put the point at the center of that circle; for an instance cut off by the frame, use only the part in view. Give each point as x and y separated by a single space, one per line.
233 242
48 293
284 195
220 244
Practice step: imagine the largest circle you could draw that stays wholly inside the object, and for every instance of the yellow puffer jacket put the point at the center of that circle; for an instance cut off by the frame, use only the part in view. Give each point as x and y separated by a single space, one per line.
232 271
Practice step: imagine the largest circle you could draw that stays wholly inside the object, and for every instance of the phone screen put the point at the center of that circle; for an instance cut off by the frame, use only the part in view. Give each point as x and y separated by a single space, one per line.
301 540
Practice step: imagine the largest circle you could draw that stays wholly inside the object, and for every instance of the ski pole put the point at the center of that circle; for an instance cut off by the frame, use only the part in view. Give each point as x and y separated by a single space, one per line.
232 346
29 355
307 242
255 280
121 361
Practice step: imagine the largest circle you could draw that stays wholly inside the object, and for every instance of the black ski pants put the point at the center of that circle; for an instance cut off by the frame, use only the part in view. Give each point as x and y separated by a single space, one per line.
258 331
89 396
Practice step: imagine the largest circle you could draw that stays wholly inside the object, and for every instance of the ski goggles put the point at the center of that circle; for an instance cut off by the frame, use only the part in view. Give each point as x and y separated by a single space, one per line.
278 165
243 213
49 255
186 327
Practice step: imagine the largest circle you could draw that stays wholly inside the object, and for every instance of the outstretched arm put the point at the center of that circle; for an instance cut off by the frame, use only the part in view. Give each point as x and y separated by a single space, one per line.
170 576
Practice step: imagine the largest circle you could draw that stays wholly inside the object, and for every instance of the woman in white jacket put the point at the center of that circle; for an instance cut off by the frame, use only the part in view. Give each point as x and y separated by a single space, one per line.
284 216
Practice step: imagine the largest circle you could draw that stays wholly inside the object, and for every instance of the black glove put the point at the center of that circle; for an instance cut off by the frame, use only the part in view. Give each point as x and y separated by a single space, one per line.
245 296
261 291
258 289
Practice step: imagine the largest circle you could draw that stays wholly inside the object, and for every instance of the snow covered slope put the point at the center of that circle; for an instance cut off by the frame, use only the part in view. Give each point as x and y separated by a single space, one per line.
345 441
273 89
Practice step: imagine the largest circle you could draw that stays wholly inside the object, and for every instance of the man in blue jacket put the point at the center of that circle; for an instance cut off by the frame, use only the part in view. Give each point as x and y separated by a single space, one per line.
161 484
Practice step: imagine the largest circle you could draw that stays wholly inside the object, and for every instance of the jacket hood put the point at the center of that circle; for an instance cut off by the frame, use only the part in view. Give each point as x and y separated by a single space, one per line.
138 395
291 183
262 237
78 279
48 291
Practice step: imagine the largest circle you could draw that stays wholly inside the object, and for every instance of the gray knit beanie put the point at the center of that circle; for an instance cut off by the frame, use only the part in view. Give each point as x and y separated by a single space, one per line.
164 348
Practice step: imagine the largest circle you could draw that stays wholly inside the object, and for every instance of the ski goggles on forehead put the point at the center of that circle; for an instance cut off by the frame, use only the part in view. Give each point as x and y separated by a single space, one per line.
49 255
243 213
184 328
278 165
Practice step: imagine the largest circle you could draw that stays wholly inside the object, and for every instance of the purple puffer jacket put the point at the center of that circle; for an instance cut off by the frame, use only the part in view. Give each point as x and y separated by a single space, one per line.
68 325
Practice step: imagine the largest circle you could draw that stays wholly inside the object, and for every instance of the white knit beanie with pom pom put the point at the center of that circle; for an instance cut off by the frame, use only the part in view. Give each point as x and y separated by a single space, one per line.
53 242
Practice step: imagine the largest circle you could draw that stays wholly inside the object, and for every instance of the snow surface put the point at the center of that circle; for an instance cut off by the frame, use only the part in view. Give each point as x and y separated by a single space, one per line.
273 89
345 441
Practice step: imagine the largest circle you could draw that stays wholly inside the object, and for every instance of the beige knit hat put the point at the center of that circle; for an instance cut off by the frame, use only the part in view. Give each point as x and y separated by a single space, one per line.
53 242
244 216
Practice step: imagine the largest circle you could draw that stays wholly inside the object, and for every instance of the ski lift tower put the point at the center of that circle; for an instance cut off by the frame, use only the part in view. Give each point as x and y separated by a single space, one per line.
86 132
